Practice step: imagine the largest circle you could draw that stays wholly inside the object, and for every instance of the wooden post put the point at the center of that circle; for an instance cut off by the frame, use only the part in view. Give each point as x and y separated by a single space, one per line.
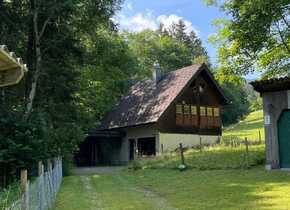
40 185
260 138
247 152
181 154
24 190
50 183
162 149
200 144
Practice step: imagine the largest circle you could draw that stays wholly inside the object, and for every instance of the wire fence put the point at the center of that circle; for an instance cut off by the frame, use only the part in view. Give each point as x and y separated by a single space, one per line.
39 193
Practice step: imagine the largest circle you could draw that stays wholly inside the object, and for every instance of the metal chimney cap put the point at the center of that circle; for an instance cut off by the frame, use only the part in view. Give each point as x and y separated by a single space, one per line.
156 65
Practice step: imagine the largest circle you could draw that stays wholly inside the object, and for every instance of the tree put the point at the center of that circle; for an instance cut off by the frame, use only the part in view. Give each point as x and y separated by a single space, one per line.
179 32
237 92
52 36
256 38
109 69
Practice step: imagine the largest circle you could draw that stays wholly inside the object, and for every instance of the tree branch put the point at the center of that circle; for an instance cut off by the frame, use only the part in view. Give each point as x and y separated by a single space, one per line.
282 38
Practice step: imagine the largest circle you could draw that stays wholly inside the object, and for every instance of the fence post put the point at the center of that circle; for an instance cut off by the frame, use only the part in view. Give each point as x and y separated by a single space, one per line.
200 144
181 154
50 184
40 185
247 152
24 190
260 138
55 176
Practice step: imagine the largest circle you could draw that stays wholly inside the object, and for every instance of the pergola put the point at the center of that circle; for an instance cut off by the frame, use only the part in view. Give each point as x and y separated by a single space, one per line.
12 68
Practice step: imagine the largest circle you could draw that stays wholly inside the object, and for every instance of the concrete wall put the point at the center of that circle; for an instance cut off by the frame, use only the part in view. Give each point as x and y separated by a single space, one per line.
167 141
143 131
274 103
171 141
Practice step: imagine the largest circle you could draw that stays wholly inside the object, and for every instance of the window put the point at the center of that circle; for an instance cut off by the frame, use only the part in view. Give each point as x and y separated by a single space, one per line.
209 111
202 111
216 112
186 109
179 109
193 110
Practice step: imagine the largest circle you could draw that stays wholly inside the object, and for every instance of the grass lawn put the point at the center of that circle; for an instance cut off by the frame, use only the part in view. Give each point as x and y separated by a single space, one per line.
249 127
216 179
152 189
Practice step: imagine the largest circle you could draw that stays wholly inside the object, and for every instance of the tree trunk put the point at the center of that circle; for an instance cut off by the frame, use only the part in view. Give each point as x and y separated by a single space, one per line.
36 74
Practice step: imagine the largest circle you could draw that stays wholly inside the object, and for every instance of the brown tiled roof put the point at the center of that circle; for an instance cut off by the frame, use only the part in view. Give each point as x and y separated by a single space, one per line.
147 100
270 85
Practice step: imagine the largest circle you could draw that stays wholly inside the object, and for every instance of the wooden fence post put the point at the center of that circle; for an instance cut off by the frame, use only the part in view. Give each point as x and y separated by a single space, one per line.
260 138
24 190
247 152
40 185
162 149
50 183
181 154
200 144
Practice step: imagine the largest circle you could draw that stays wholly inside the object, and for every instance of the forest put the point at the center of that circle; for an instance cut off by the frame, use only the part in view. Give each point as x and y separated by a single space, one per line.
80 63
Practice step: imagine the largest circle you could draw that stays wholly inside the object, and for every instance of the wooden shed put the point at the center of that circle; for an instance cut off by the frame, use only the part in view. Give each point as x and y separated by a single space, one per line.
12 68
276 105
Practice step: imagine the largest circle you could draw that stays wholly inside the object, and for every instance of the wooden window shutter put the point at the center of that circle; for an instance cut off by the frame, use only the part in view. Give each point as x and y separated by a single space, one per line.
193 110
203 117
216 112
194 117
202 111
179 114
186 116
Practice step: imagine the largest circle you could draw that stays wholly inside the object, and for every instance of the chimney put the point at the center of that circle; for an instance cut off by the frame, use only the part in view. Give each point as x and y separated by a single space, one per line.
156 73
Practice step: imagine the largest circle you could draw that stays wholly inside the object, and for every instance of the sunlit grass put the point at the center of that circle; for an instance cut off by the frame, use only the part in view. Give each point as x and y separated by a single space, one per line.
249 127
151 189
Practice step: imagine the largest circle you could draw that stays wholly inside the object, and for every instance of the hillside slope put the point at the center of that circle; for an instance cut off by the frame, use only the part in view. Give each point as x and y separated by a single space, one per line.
249 127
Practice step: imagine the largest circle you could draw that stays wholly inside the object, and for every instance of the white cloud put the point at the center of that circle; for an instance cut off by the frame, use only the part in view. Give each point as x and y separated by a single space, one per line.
129 6
167 21
137 22
141 21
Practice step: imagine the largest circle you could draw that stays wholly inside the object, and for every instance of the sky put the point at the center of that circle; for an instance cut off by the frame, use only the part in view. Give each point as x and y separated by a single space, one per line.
137 15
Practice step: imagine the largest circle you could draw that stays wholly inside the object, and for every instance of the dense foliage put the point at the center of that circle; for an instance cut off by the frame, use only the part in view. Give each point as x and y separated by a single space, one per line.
41 117
255 38
80 64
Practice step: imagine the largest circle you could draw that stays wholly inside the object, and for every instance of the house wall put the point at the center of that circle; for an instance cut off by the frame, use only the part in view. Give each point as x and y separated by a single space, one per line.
136 132
165 142
209 98
170 141
274 103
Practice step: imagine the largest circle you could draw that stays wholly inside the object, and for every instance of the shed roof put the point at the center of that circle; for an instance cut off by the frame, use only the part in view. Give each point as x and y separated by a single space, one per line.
147 101
12 68
271 85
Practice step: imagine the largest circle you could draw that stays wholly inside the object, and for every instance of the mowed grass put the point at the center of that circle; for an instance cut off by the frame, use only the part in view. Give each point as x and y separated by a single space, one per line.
218 178
153 189
249 127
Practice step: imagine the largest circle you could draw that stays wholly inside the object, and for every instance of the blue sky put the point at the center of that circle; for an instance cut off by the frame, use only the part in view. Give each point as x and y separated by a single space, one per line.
137 15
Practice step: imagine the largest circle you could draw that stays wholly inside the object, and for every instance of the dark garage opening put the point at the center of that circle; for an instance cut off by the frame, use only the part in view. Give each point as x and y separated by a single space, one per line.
146 146
99 150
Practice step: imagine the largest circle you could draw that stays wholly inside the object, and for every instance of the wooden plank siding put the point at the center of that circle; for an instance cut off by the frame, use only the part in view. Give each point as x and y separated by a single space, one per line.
189 113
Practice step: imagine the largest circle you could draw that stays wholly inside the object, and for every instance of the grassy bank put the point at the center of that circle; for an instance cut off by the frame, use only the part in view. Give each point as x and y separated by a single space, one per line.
249 127
210 158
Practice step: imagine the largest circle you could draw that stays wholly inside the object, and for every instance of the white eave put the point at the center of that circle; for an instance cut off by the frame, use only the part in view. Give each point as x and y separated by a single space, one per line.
12 68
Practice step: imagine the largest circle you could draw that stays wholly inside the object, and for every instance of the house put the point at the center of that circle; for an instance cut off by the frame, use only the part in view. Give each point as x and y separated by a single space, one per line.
182 106
276 105
12 68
